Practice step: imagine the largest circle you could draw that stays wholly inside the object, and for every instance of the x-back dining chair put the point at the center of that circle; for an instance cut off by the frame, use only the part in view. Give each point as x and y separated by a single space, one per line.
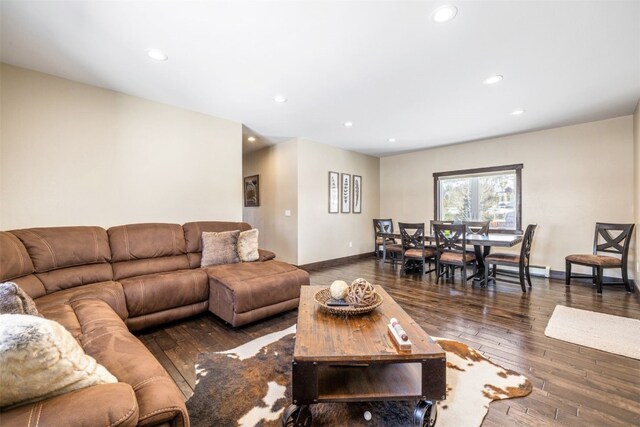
413 246
386 245
451 249
521 261
609 238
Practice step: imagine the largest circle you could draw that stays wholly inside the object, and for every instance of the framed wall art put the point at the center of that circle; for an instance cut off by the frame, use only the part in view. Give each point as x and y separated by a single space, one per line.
357 194
345 193
252 191
334 192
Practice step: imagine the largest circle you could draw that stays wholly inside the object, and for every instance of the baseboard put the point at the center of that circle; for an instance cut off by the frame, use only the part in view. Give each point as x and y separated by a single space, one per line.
606 280
331 262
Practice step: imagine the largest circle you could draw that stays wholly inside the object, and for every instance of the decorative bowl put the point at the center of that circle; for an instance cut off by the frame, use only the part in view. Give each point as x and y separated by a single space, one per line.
323 295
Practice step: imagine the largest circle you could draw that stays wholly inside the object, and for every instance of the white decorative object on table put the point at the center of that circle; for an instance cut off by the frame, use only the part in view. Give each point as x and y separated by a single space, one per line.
339 289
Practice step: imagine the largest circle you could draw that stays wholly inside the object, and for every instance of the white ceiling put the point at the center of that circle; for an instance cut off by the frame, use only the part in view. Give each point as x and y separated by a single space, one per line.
384 65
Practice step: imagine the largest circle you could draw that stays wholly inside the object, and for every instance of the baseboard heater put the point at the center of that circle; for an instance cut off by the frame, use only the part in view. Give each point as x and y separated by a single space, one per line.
534 270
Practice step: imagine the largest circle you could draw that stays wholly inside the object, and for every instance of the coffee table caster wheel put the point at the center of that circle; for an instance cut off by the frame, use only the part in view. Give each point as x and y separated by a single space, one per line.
425 414
296 416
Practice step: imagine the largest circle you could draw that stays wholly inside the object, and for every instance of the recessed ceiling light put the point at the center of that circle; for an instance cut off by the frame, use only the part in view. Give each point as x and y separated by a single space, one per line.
493 79
392 140
517 112
348 124
251 139
444 14
157 54
280 99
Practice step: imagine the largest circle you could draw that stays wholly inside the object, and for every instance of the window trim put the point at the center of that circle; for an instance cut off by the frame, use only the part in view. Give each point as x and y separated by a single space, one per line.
517 168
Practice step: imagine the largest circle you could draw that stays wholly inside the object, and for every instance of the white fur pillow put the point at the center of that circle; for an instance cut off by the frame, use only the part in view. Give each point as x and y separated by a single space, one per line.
39 358
248 245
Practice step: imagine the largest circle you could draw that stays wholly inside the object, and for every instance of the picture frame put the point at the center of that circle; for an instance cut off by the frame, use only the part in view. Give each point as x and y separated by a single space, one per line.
334 192
251 191
345 193
357 194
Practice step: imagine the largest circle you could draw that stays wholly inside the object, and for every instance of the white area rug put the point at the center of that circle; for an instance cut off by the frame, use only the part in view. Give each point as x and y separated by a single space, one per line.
613 334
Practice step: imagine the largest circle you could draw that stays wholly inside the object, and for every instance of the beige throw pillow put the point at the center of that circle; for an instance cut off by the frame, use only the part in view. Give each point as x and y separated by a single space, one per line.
219 248
13 300
248 245
39 359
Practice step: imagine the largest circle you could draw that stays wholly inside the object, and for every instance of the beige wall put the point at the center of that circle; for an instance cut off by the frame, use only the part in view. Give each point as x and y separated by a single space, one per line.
278 170
636 162
76 154
294 176
321 235
572 177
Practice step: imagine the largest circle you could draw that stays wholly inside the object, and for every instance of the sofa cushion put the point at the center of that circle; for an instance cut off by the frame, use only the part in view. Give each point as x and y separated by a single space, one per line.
193 236
157 292
106 338
15 260
140 249
79 408
66 257
39 358
140 241
248 245
58 247
258 284
219 248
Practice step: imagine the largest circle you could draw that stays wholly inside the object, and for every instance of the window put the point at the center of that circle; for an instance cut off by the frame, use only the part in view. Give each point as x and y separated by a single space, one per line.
486 194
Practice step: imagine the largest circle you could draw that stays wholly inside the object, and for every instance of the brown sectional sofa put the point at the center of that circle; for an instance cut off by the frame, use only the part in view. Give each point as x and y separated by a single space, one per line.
101 284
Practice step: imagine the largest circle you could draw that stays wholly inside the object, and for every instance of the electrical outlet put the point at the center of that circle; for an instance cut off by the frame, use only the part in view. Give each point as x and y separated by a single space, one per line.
287 213
638 266
350 244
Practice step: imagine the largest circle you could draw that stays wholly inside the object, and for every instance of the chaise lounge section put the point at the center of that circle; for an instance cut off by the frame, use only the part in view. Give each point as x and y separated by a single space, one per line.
101 284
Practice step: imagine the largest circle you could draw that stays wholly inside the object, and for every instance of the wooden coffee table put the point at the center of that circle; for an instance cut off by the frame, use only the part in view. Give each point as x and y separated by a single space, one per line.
349 359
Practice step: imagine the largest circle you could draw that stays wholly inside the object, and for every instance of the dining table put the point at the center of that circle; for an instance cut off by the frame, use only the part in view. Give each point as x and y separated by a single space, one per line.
482 244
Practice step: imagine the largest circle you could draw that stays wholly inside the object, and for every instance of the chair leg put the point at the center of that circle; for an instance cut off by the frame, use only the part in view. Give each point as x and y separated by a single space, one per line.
593 273
486 274
521 275
437 272
599 280
463 272
526 272
567 274
495 270
625 280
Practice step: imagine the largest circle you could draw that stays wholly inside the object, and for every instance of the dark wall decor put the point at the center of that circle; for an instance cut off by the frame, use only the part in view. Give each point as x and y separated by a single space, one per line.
252 191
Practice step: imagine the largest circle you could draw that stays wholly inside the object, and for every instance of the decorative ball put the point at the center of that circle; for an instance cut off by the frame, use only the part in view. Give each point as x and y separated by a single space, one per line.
367 415
339 289
361 293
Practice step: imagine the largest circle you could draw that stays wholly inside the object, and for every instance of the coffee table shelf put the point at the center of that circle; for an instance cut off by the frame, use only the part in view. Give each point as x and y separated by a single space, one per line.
349 359
366 383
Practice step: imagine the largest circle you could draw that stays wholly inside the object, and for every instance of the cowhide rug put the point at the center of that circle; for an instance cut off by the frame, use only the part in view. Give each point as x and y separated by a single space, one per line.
250 385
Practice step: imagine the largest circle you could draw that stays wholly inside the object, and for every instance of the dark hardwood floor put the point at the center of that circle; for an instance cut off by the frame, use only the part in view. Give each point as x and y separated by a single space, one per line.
573 385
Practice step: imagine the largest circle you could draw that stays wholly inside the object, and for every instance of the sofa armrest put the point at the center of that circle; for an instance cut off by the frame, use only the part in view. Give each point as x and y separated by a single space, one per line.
265 255
113 405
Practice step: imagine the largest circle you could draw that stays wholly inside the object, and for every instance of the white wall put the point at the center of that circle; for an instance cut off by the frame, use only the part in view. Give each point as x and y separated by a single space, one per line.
278 170
294 175
572 177
321 235
73 154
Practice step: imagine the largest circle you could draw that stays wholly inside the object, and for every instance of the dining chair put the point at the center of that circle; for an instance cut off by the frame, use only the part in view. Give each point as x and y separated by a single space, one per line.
513 260
451 250
385 245
414 249
609 238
